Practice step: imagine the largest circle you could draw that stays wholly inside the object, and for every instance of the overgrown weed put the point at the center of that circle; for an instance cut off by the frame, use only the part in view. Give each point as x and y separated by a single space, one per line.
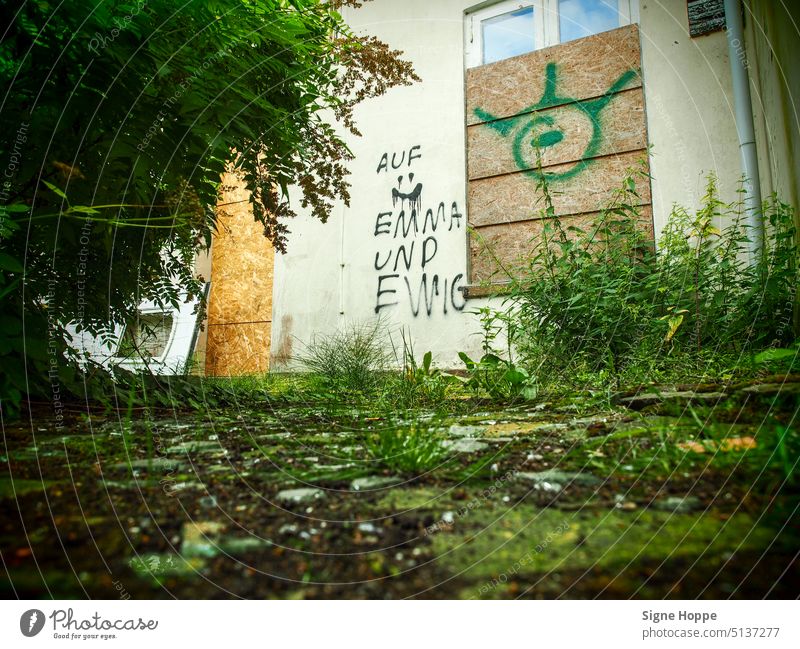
601 306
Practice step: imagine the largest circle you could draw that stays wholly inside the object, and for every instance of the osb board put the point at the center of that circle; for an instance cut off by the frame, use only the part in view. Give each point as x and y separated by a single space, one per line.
571 114
515 197
504 146
514 244
238 349
584 68
242 262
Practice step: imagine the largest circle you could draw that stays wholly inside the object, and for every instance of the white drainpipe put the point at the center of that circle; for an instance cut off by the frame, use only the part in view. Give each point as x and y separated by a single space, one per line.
743 107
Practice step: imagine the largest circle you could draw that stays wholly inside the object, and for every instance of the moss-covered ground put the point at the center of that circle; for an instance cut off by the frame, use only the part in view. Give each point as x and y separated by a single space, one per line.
685 493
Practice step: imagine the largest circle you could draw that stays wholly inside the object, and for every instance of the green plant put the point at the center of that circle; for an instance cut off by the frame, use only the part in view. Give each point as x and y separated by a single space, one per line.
778 359
349 363
787 450
585 294
113 192
498 378
417 384
600 304
407 450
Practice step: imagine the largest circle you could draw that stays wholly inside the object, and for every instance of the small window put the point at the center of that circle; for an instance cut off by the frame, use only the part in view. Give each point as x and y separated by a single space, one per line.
148 335
509 34
581 18
511 27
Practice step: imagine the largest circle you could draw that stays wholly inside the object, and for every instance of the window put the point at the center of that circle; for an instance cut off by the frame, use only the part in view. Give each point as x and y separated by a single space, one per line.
509 34
580 18
149 335
515 27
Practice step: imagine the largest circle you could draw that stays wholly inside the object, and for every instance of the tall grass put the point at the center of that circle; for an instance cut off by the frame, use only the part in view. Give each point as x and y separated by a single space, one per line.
605 300
351 361
407 450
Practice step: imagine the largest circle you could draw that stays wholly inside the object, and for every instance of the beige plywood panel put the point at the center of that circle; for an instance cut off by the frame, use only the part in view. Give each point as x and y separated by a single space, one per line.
581 69
238 349
497 252
515 197
571 115
240 301
563 134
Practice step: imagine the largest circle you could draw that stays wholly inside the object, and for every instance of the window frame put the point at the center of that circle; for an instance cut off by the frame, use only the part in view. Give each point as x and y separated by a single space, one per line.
547 30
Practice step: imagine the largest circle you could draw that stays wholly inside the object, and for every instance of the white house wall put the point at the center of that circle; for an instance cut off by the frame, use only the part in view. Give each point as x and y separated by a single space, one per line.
328 278
690 120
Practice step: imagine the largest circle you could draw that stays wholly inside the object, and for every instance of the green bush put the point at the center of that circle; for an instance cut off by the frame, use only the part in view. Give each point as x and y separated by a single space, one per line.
418 384
603 301
113 180
492 375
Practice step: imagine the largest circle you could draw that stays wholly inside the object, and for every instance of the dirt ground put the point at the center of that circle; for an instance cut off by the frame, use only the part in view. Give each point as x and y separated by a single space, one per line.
678 493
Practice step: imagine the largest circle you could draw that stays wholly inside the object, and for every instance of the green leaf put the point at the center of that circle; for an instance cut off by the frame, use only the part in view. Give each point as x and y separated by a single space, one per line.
83 209
16 207
426 362
466 360
490 359
674 323
516 376
775 354
8 263
56 190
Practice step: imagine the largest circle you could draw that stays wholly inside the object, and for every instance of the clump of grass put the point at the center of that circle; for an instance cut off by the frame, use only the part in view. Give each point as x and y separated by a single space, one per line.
407 450
418 383
350 362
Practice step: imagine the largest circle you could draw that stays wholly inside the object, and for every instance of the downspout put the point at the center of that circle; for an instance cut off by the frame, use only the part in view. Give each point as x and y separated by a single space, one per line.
341 263
743 108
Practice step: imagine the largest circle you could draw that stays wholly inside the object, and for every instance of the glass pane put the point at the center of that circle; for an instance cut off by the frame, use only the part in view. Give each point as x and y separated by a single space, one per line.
148 336
507 35
579 18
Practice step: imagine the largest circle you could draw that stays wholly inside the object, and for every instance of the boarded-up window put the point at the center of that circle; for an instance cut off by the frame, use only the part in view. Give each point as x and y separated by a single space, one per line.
581 106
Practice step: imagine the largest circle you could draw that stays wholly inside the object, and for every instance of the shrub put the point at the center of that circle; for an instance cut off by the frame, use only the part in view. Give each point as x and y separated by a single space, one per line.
603 300
418 383
114 192
352 361
411 450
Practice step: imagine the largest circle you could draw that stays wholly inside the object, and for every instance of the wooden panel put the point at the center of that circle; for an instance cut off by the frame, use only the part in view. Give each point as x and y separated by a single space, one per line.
238 349
240 302
505 146
514 197
583 69
498 250
577 110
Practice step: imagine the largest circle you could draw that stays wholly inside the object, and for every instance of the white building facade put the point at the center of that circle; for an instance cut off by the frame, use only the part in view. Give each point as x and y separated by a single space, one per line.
446 163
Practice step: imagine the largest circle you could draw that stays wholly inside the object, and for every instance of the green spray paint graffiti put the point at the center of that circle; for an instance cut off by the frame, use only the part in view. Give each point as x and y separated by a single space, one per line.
532 131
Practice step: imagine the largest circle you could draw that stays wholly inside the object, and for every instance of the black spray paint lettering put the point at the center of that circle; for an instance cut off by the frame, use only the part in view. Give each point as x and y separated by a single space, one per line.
381 223
413 154
406 223
429 249
379 304
425 292
434 248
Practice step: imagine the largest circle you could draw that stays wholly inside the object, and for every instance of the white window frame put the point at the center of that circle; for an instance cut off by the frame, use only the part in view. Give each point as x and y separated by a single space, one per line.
545 17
